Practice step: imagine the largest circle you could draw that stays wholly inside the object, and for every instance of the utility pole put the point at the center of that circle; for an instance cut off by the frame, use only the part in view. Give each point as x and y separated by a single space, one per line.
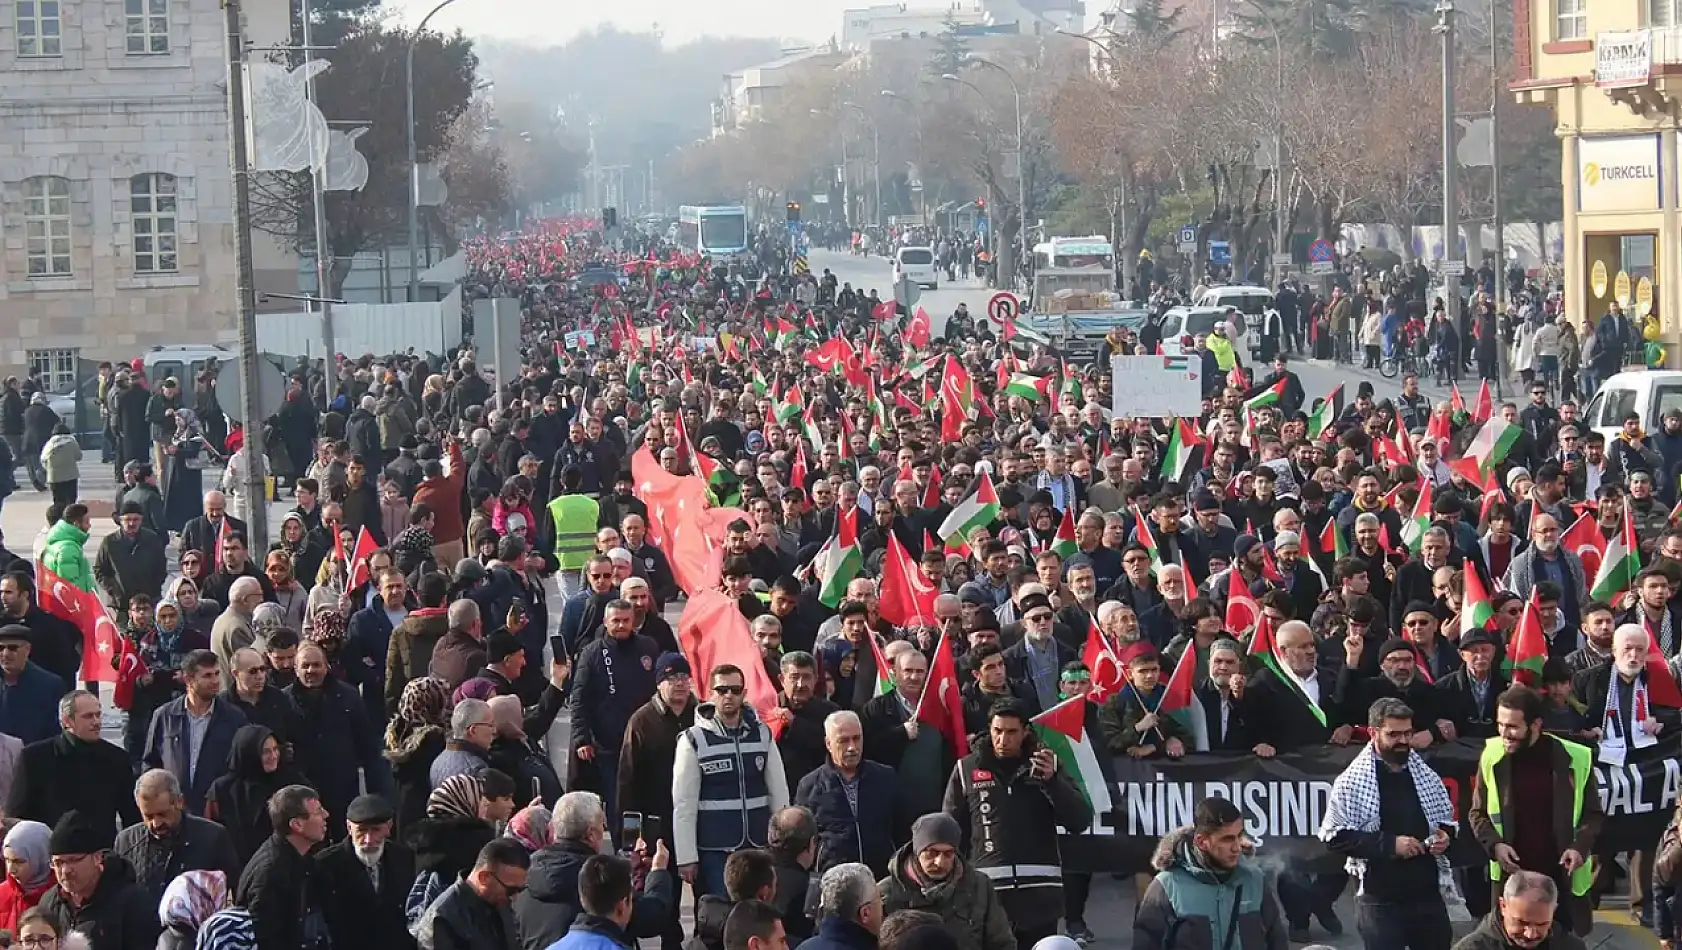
318 199
1497 212
256 482
1451 171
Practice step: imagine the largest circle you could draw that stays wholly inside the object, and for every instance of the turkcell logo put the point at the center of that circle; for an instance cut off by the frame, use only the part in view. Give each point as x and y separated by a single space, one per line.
1595 172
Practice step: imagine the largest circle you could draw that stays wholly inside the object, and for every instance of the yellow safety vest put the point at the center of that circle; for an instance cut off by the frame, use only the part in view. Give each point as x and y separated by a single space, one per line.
1582 773
1225 358
575 519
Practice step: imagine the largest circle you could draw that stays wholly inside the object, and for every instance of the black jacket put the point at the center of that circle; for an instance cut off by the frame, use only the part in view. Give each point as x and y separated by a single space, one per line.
802 743
604 698
1240 731
447 846
794 884
978 705
1458 704
198 844
119 916
64 774
711 911
1284 719
200 535
548 906
872 833
459 919
358 913
648 756
335 740
283 891
1009 821
55 644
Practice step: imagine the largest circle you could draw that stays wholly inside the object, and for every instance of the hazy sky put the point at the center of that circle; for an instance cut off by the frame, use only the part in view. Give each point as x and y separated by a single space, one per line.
543 22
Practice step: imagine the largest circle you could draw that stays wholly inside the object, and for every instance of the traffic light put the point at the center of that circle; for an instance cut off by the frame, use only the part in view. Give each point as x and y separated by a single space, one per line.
981 204
610 218
794 211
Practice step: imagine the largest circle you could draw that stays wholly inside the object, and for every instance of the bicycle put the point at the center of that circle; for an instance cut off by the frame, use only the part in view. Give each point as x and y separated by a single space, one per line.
1393 365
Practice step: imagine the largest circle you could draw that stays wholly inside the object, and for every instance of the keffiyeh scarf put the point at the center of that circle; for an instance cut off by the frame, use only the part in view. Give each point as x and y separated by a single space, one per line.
1354 806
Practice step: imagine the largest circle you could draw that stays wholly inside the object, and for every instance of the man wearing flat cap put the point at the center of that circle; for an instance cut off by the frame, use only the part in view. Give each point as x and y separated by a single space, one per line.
96 894
1468 694
132 560
366 877
31 694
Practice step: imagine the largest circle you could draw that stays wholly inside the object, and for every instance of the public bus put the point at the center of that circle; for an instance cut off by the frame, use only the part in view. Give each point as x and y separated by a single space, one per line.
716 230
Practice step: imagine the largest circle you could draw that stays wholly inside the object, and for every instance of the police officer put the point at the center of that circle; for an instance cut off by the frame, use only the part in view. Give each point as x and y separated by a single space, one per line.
727 783
1009 798
615 678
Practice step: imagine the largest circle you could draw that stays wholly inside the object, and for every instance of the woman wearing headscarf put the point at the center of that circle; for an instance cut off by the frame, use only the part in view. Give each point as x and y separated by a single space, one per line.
533 827
513 755
305 553
188 902
327 627
197 615
331 582
839 664
239 799
189 454
461 817
413 738
29 872
290 596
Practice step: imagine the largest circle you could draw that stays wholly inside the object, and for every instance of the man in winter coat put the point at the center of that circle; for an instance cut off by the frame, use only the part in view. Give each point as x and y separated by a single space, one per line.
75 771
409 654
550 902
1206 891
281 885
615 677
849 908
477 911
367 877
64 555
11 416
856 802
335 740
1009 797
930 875
134 430
96 895
727 783
146 494
362 430
1524 919
648 755
132 560
167 841
39 421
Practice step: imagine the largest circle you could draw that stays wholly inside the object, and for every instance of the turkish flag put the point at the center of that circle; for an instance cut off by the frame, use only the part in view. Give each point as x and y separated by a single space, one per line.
713 632
917 331
680 524
907 597
1584 540
101 644
945 712
365 548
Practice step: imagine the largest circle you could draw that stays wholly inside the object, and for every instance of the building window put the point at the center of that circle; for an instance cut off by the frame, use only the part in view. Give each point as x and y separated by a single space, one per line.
1571 19
57 369
152 206
147 26
1662 13
39 28
46 225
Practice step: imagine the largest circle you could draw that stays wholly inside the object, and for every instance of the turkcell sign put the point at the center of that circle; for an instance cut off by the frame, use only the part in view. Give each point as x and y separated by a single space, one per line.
1618 173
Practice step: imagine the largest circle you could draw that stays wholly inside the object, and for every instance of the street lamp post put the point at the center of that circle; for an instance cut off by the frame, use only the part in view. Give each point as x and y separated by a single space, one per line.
1021 156
922 200
414 160
876 160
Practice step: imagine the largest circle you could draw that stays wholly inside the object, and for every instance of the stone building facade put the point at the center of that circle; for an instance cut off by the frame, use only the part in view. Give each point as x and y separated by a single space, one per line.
116 195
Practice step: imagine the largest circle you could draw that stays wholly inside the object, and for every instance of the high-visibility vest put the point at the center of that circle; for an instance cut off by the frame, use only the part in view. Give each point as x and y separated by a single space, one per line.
1582 773
575 519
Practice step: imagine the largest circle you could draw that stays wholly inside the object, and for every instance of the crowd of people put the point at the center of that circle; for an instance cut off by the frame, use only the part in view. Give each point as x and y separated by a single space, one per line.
348 732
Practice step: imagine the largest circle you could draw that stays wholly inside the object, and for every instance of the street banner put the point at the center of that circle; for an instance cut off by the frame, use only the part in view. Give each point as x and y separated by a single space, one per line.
1284 798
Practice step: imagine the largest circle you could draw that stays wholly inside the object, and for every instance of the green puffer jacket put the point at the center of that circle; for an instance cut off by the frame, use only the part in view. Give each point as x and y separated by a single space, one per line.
1190 907
64 555
966 903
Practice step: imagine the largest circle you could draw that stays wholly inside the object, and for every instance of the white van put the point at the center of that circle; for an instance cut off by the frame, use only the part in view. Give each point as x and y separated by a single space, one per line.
1647 393
916 264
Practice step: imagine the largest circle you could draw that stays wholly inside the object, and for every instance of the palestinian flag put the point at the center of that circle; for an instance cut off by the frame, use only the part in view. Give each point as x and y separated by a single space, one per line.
722 483
1619 565
1183 440
1031 388
1063 730
1476 612
1530 646
1142 535
1267 397
793 404
1264 654
1414 528
884 682
1064 545
1492 443
1071 384
980 509
842 562
1484 409
1675 516
1180 703
760 385
1331 541
1320 420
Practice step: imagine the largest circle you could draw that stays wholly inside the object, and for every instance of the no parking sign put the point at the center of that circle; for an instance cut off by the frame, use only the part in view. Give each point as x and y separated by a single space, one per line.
1004 306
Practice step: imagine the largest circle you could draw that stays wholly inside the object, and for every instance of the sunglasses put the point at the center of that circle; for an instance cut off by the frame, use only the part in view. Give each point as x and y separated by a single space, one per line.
1037 618
730 690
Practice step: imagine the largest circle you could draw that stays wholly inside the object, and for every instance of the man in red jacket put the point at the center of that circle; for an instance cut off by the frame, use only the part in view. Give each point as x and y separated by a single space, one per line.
444 493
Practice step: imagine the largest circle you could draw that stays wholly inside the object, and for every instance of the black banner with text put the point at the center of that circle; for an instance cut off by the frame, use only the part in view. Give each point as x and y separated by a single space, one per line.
1284 799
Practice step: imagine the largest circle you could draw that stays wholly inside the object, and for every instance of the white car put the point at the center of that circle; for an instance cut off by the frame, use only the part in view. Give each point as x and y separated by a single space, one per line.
1647 393
916 264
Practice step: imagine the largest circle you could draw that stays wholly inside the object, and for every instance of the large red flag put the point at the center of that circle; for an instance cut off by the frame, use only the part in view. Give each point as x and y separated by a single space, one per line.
365 548
680 524
1102 662
907 597
713 632
101 644
1583 539
946 711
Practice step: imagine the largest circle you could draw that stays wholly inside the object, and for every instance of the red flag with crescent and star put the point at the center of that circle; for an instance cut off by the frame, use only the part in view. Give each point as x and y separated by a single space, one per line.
945 712
101 644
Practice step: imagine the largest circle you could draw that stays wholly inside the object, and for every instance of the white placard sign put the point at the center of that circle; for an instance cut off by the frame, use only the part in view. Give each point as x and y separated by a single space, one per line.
1157 386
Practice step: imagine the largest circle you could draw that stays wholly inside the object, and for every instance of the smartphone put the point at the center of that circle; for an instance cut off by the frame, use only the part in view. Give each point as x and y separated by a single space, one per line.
630 827
651 831
557 647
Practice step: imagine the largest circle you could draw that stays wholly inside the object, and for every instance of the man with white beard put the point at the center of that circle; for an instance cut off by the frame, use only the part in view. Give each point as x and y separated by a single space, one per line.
367 876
